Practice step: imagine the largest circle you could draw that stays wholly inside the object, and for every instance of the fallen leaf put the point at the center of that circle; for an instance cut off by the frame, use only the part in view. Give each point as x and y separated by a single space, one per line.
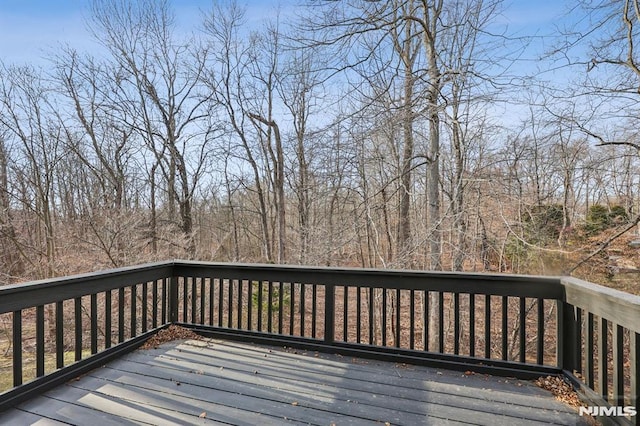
294 403
562 390
203 415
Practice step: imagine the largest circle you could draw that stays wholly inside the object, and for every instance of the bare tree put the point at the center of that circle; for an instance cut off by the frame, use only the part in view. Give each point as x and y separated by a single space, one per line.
264 70
298 87
10 259
226 77
159 93
27 117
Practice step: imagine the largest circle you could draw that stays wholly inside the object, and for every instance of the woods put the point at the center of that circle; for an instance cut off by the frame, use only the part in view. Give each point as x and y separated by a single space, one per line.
400 134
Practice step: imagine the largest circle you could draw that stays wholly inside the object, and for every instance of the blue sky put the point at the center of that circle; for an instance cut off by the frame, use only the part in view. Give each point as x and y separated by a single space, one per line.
30 28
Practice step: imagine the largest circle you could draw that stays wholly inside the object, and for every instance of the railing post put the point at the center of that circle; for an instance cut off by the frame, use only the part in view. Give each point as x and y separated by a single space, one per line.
329 313
173 299
567 346
634 358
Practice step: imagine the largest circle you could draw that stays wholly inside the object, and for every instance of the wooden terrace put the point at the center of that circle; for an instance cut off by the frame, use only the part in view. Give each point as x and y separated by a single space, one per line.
218 381
285 344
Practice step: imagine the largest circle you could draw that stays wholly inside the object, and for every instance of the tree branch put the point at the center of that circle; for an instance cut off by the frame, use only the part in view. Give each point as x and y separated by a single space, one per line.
605 244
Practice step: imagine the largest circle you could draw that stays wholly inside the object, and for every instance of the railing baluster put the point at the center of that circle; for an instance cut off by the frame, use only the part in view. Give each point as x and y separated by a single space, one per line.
329 313
173 303
165 301
230 303
194 300
441 322
94 323
578 340
240 291
412 319
383 326
221 301
303 309
566 339
634 360
603 374
249 305
505 323
314 316
397 336
425 314
359 313
523 329
371 317
39 341
618 365
456 323
203 300
472 324
107 319
292 308
185 300
588 358
78 328
270 307
134 311
487 326
154 304
121 315
540 333
143 301
260 305
345 314
17 348
212 298
280 306
59 334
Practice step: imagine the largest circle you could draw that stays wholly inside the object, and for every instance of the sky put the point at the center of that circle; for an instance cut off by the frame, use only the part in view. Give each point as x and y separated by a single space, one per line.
31 28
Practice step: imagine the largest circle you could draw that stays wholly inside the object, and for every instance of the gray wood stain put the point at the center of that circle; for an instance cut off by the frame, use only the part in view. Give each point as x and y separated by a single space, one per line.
220 382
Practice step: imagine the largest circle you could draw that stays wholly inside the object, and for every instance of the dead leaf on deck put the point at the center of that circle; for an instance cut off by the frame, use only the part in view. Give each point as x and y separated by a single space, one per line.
562 390
203 415
173 332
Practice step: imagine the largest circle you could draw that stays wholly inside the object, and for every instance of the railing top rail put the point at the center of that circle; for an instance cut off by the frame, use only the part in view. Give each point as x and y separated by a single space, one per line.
614 305
14 297
617 306
462 282
366 271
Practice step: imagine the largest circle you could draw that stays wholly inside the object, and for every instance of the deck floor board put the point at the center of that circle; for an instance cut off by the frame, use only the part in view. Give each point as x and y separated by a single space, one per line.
220 382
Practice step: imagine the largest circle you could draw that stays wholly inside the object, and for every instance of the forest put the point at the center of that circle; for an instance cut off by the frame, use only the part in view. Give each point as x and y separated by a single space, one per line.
405 134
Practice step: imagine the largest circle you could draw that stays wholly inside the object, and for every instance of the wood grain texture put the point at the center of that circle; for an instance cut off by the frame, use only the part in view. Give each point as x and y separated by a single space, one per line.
219 382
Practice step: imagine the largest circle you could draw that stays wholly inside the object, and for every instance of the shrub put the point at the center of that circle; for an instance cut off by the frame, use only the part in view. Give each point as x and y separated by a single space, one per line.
544 222
600 218
618 214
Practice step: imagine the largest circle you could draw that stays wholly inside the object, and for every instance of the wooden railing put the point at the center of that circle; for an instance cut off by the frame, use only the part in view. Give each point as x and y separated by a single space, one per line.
511 325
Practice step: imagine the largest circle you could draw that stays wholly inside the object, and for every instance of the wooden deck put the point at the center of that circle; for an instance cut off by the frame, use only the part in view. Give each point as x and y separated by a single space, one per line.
221 382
